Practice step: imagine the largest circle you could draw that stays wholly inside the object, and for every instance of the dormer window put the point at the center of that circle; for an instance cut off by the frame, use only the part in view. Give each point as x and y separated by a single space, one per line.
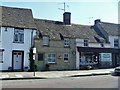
86 43
66 42
45 40
116 43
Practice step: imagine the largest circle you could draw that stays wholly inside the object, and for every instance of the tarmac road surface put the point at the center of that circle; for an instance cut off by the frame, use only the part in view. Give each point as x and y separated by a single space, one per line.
103 81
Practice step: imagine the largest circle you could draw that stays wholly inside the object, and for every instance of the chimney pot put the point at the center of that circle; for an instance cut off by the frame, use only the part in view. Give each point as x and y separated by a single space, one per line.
97 21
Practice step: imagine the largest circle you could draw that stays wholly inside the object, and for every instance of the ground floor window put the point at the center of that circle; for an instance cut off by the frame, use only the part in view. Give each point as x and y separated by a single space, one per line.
88 58
51 58
66 57
40 57
1 56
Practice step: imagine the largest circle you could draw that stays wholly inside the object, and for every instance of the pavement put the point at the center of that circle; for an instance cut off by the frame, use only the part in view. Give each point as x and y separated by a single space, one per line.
53 74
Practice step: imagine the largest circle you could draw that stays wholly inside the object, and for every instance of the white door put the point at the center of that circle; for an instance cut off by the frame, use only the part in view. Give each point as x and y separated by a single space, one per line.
17 60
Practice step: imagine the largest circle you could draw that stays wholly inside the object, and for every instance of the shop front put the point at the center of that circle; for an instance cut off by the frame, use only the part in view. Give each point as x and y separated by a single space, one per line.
97 57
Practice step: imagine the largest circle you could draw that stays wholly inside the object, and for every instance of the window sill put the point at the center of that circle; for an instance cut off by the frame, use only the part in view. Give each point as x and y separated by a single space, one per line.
51 62
19 42
66 46
65 61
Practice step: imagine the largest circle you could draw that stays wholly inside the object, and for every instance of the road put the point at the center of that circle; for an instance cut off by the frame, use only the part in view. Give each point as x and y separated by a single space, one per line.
103 81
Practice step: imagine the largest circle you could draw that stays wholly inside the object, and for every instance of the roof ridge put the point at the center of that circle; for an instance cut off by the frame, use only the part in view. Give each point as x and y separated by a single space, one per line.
16 7
60 22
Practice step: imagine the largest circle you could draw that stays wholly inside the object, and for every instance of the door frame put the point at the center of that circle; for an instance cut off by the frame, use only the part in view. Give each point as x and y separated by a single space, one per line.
22 64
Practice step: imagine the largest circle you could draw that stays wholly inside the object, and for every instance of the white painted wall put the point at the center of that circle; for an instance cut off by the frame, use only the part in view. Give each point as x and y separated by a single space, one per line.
9 46
80 43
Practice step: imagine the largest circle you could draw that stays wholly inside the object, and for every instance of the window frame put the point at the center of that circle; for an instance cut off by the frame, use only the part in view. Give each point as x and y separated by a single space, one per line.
86 42
40 57
116 43
66 42
45 40
66 57
50 57
18 35
1 54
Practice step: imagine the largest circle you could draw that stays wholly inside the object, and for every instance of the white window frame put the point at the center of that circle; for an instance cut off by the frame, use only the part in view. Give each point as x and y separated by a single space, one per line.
66 55
18 35
86 42
45 40
1 56
50 58
116 43
66 42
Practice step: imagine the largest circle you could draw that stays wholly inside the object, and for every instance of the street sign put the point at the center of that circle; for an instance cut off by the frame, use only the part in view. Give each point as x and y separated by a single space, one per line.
34 50
33 57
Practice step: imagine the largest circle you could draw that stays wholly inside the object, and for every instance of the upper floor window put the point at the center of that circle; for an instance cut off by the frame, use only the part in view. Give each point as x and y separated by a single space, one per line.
86 42
0 34
1 56
102 44
116 43
51 58
66 57
19 35
66 42
45 40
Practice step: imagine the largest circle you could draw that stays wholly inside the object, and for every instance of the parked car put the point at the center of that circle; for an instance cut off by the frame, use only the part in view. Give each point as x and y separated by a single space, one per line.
117 70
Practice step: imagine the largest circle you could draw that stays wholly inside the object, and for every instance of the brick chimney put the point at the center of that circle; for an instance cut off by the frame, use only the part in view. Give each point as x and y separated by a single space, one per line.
67 18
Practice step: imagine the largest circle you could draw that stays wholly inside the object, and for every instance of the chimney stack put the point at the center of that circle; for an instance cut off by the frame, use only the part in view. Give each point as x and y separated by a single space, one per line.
97 21
67 18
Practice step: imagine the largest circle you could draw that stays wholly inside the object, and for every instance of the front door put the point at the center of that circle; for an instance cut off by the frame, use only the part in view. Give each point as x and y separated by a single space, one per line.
17 60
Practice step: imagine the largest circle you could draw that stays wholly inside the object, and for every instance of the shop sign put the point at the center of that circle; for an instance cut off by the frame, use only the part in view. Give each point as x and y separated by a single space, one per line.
106 56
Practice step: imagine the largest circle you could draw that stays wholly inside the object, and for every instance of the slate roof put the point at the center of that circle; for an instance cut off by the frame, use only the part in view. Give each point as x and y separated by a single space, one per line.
111 28
16 17
53 29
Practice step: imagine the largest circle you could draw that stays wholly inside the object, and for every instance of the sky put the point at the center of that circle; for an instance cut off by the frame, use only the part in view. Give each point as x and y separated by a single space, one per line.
82 12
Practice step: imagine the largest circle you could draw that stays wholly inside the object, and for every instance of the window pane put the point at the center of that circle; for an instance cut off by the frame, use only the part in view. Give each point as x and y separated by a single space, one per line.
51 58
45 40
66 57
21 36
85 42
16 37
66 42
1 56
